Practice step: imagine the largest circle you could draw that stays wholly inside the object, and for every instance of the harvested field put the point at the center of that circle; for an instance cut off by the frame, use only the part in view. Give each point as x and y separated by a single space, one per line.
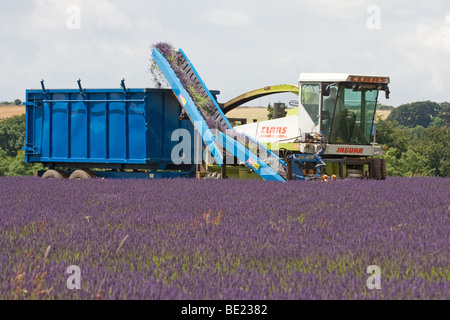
10 111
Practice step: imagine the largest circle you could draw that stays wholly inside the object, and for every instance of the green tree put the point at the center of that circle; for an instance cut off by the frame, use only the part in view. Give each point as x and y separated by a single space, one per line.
384 107
444 113
434 145
270 112
4 163
390 134
437 122
16 166
12 158
17 102
416 113
406 164
12 134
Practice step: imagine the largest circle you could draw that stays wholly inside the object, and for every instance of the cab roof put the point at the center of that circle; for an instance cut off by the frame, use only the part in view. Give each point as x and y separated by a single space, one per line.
342 77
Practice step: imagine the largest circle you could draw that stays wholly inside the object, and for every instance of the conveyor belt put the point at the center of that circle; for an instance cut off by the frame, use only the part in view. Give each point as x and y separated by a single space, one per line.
268 165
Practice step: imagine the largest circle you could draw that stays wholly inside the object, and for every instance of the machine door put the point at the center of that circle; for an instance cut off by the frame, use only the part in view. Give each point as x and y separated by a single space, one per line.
309 108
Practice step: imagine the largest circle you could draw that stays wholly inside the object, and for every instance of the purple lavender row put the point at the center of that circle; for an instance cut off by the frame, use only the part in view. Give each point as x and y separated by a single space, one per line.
137 239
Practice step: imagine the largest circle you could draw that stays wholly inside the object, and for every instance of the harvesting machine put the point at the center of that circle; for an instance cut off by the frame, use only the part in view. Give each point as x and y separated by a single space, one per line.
135 133
335 117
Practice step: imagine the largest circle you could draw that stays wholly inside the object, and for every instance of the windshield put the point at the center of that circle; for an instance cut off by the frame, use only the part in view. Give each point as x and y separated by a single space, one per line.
348 114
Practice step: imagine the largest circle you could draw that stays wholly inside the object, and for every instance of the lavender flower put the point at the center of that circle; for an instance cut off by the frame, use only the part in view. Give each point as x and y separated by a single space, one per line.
224 239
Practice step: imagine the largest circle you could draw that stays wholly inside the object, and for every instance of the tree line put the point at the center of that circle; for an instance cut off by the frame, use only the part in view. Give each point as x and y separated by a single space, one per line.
12 157
16 102
416 138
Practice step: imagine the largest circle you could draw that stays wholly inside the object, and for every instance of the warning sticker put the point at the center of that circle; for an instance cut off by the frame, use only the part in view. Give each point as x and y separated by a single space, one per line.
183 101
253 163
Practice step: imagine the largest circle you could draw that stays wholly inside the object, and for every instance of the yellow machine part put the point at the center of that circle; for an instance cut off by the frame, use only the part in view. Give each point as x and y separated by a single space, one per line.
254 94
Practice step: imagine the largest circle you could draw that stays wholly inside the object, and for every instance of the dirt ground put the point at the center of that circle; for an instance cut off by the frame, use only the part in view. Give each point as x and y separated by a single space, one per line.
259 114
383 113
9 111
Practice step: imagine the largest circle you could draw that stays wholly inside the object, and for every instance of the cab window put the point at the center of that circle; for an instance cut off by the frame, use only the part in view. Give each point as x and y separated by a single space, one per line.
310 94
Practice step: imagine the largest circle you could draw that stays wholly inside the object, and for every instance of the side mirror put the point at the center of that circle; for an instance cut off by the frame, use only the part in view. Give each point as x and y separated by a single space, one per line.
386 92
325 89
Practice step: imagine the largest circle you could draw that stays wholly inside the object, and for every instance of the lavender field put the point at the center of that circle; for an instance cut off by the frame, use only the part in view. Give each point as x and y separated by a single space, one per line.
231 239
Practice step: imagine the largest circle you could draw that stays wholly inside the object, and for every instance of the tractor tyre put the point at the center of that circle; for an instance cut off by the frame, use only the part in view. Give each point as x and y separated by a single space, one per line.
54 174
376 162
383 169
81 174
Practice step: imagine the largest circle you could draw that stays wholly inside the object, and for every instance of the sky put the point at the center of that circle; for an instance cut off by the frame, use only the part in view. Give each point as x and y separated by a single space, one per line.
236 46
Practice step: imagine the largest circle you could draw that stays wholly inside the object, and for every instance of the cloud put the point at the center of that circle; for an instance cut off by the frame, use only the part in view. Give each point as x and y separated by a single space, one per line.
436 38
226 17
338 10
53 14
106 14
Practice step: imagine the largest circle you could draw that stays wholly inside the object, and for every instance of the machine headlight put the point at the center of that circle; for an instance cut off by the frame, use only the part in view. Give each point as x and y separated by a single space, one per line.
377 151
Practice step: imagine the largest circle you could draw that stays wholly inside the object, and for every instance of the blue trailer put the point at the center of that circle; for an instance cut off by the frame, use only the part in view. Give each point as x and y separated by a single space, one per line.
116 131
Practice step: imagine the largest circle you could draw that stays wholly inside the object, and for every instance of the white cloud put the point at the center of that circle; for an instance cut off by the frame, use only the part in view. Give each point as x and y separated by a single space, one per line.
226 17
436 38
340 10
53 14
265 43
47 14
105 14
151 23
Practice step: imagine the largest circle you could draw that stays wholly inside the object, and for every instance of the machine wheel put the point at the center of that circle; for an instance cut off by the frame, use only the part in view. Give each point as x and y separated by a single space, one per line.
383 169
376 162
81 174
213 175
54 174
355 173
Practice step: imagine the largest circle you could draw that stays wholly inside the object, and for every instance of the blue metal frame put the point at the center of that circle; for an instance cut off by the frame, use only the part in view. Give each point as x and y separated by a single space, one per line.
301 158
231 145
206 89
102 126
188 105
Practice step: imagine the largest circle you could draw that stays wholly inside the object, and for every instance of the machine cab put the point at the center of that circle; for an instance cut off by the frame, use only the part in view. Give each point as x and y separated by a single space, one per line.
340 106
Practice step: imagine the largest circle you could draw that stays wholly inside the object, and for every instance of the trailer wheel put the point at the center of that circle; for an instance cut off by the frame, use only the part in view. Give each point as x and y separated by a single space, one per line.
81 174
54 174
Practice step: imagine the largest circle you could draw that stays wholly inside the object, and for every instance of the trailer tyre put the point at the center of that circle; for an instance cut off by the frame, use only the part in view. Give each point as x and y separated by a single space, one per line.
54 174
81 174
